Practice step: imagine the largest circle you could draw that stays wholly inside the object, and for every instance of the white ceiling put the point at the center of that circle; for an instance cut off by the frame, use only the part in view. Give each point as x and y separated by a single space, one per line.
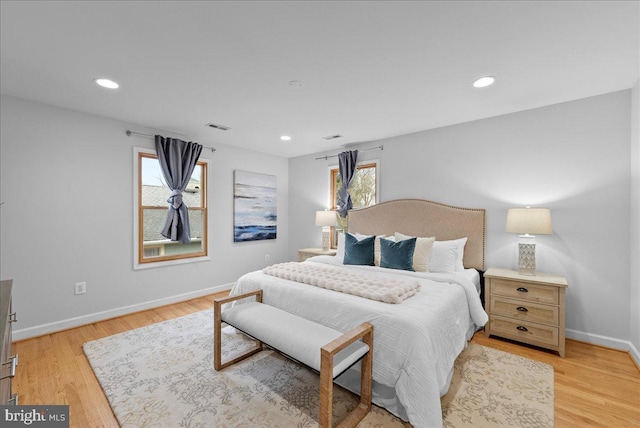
370 70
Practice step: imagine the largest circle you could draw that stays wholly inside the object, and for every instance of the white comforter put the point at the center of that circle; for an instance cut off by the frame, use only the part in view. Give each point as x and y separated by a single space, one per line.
415 342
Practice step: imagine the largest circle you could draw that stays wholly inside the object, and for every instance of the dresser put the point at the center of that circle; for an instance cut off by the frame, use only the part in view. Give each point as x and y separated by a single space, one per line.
9 361
526 308
305 253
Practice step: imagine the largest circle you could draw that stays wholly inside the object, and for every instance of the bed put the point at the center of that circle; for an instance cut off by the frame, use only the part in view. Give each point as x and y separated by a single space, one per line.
416 341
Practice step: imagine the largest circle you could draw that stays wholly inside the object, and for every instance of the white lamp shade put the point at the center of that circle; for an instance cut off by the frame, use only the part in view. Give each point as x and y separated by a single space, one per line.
533 221
326 218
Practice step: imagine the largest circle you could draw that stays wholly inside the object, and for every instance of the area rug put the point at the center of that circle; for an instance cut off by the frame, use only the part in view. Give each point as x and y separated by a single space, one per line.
162 376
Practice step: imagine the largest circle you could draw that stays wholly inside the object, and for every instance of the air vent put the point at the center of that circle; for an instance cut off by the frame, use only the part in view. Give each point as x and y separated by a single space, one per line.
220 127
332 137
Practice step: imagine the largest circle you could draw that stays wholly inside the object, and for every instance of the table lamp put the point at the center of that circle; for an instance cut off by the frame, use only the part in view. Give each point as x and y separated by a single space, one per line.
326 219
528 222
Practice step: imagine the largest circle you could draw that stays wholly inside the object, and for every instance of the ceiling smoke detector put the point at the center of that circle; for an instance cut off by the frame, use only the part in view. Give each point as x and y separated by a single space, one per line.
220 127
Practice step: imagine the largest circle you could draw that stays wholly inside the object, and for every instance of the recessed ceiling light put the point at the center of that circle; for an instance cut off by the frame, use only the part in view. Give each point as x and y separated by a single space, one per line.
106 83
217 126
285 138
483 82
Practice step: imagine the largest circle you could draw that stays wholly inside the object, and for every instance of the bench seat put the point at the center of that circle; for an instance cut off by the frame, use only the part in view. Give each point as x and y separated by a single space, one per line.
296 337
326 350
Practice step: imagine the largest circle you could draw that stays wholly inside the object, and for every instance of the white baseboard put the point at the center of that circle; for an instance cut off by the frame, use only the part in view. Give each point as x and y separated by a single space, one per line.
635 354
39 330
609 342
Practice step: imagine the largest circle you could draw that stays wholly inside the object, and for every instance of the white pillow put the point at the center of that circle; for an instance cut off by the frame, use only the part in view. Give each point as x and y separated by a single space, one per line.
360 236
422 253
445 246
444 255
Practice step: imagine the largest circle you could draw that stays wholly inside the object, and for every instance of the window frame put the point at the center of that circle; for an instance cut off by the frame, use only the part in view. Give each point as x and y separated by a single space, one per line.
139 261
333 172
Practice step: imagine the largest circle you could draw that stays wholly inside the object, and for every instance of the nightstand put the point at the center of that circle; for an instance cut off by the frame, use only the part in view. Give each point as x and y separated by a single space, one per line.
305 253
526 308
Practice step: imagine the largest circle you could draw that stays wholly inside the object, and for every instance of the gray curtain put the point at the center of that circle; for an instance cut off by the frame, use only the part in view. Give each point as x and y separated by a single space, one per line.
177 160
347 162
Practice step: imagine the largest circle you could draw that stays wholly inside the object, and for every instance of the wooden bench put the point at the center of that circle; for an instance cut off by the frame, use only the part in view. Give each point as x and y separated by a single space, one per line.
319 347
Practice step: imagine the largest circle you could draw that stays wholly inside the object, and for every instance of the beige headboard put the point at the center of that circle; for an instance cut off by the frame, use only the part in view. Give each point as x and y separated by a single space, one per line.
417 217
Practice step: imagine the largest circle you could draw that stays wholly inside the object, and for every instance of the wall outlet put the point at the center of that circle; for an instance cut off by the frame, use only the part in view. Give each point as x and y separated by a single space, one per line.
81 288
266 257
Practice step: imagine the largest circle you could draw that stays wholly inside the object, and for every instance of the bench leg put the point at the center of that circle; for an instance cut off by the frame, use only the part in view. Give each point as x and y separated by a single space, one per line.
326 394
365 331
217 333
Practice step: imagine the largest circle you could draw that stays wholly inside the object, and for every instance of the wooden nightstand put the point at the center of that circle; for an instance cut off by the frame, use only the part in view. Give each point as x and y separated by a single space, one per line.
529 309
305 253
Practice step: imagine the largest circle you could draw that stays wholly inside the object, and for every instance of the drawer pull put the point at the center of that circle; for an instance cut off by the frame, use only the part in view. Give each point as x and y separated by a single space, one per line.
12 372
522 290
522 309
522 328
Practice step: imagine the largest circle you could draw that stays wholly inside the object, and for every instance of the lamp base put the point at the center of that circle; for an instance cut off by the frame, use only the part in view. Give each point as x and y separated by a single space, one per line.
527 259
326 240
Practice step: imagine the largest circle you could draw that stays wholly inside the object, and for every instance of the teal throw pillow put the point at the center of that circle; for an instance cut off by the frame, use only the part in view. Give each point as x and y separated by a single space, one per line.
358 252
397 255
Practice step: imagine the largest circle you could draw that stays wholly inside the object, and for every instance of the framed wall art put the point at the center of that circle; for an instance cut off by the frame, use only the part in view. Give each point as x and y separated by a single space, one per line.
255 206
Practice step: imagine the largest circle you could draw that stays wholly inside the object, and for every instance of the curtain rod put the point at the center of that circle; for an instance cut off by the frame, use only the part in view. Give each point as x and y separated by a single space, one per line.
325 157
153 136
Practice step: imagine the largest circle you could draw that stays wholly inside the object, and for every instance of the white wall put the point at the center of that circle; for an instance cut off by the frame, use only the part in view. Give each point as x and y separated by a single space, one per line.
67 182
571 157
635 220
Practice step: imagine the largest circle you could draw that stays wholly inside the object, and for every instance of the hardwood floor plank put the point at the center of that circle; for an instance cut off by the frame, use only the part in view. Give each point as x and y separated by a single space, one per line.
594 386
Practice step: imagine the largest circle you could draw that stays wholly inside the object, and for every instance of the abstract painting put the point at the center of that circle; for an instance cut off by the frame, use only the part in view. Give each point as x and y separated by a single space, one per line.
255 208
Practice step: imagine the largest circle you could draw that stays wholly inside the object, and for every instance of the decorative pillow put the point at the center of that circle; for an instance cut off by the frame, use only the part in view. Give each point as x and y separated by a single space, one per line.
397 255
459 265
340 246
444 256
376 246
358 252
422 254
376 250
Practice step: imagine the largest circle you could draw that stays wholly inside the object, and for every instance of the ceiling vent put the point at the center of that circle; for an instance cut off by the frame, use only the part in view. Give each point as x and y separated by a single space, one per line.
220 127
332 137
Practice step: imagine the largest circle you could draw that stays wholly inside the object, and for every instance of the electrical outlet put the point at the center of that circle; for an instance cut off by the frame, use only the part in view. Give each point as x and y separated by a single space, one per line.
266 257
81 288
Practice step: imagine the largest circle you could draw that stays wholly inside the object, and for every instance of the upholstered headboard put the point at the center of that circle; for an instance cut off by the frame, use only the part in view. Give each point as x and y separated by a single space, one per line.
417 217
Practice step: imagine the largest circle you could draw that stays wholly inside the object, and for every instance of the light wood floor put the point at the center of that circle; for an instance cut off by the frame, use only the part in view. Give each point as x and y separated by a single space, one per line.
594 386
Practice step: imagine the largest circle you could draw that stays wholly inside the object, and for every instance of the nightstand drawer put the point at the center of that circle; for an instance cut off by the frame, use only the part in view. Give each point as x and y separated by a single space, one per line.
524 331
525 291
525 311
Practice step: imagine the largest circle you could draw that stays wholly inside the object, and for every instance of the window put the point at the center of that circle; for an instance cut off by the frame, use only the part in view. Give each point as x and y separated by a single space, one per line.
363 191
151 203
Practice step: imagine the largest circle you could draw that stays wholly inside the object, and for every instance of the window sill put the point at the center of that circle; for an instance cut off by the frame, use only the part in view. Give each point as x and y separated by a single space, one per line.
142 266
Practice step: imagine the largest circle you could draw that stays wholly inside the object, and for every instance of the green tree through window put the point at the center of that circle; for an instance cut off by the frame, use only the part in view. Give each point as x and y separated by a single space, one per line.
363 191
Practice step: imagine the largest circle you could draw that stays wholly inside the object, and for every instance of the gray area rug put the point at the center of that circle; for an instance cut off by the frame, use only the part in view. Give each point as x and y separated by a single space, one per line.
162 376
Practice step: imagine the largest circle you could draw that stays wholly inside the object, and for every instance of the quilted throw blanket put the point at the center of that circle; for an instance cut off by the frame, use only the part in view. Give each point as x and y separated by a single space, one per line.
388 290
